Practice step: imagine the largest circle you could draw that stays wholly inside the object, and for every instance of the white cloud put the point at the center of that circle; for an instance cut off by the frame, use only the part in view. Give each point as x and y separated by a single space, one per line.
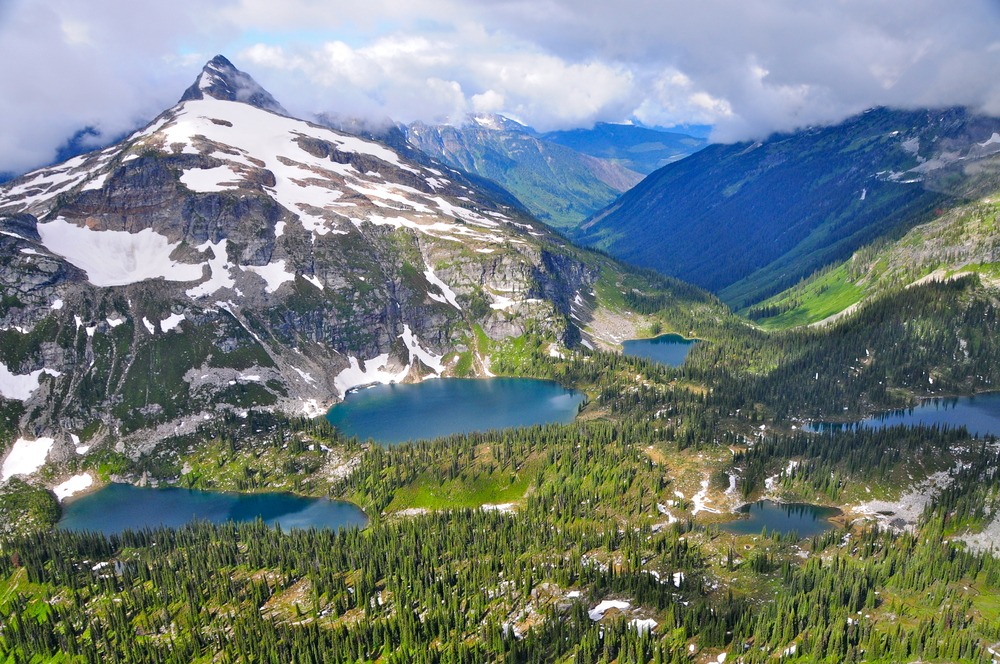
749 67
441 78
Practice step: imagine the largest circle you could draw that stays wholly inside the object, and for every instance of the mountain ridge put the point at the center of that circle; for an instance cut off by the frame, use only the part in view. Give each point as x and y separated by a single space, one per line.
558 185
750 219
227 257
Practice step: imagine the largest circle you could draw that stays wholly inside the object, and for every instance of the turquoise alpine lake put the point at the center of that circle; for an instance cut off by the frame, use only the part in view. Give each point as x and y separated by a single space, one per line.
980 414
801 518
392 414
117 507
668 349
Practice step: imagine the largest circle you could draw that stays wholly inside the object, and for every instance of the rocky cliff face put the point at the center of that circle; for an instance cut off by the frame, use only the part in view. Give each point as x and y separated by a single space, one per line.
227 256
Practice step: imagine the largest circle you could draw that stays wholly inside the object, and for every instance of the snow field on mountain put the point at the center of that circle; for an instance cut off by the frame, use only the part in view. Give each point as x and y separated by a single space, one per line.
274 274
73 485
20 387
26 456
374 370
304 182
116 258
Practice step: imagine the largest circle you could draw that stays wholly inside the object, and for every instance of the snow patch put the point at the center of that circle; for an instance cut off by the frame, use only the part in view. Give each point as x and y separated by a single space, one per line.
701 499
218 266
643 626
374 371
171 322
116 258
26 456
311 408
209 180
149 326
75 484
428 358
995 138
449 294
21 386
274 274
598 611
305 376
57 304
313 280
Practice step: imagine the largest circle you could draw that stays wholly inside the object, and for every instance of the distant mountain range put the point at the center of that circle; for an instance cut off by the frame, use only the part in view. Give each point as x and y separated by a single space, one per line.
749 220
638 149
558 185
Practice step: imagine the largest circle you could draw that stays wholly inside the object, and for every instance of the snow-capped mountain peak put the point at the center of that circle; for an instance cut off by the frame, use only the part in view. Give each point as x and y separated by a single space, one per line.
303 259
221 80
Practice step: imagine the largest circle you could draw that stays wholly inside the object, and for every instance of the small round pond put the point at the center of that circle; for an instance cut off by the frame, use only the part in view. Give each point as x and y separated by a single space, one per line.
117 507
980 414
801 518
669 349
392 414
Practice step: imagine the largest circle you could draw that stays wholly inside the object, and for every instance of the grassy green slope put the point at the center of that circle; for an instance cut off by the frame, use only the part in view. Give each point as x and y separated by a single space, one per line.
965 239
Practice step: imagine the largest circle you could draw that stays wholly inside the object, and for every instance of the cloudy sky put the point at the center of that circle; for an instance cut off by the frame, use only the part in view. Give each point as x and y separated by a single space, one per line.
747 67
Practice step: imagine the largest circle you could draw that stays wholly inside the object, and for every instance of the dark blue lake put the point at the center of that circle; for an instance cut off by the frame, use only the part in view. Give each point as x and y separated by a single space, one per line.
980 414
806 520
668 349
119 506
396 413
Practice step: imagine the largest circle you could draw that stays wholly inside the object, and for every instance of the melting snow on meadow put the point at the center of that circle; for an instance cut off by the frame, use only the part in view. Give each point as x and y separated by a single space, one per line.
26 456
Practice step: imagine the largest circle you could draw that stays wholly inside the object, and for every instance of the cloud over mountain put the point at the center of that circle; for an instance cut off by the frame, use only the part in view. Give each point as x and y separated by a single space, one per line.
749 67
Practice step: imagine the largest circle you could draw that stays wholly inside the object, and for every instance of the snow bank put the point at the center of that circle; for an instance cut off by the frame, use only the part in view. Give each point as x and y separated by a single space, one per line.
171 322
374 371
598 611
116 258
643 626
449 294
428 358
20 387
26 456
218 266
75 484
274 274
210 180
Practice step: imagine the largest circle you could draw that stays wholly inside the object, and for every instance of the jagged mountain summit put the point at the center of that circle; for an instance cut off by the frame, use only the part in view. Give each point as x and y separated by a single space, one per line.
557 184
227 256
219 79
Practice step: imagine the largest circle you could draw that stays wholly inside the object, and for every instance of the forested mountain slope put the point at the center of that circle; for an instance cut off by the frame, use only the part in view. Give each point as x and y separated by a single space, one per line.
749 220
961 240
